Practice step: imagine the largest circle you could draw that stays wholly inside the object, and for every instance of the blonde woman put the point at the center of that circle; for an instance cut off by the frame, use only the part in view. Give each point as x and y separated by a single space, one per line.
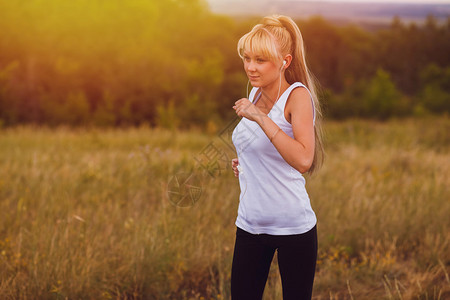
277 140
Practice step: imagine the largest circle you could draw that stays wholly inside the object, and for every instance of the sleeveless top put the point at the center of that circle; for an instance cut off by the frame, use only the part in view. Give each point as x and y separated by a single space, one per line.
273 198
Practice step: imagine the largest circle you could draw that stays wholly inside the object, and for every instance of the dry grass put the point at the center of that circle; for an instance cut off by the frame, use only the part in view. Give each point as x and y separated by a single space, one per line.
85 214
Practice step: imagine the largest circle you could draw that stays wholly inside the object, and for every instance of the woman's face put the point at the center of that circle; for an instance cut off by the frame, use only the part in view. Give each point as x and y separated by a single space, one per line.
261 71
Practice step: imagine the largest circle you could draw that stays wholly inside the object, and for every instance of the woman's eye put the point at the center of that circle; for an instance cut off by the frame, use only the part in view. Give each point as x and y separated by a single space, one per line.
260 60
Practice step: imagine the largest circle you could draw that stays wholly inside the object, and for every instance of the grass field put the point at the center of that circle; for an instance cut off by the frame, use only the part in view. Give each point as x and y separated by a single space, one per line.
86 214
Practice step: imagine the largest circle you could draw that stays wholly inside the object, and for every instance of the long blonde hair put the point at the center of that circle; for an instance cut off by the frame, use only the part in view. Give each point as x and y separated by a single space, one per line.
275 37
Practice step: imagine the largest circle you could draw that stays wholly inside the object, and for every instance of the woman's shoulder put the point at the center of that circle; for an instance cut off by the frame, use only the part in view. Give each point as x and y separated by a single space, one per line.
299 99
298 84
299 90
298 96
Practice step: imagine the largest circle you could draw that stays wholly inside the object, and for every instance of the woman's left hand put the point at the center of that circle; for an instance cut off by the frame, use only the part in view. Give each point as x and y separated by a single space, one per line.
244 108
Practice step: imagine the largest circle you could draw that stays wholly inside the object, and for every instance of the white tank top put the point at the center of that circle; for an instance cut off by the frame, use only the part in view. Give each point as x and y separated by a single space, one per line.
273 197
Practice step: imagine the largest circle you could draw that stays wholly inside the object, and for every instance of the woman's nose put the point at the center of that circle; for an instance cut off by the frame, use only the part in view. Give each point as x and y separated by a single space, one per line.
251 66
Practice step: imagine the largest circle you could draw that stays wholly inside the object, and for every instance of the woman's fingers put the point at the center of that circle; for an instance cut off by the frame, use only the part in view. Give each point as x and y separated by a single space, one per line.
234 164
242 107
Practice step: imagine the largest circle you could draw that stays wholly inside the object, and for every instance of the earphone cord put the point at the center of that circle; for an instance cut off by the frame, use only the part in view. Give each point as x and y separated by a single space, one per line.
247 87
241 175
279 86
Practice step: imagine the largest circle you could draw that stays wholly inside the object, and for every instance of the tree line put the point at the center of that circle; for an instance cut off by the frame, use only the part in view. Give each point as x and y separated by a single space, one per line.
174 64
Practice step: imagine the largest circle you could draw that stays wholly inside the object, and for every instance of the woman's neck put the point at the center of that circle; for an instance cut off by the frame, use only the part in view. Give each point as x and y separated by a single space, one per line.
272 92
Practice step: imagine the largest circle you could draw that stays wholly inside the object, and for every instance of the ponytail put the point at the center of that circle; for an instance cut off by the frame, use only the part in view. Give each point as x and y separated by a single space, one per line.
292 43
274 38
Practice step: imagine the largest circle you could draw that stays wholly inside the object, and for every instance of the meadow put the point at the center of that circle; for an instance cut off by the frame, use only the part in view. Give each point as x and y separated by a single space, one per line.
88 213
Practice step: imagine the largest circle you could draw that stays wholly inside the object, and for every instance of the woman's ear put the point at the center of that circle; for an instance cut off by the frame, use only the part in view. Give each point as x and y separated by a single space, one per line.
288 60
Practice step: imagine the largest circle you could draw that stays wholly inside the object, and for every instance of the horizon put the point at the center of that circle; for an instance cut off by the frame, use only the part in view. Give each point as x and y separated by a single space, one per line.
380 11
365 1
386 1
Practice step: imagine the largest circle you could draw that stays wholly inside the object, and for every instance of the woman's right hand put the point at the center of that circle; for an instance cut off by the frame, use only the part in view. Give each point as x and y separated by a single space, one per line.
234 166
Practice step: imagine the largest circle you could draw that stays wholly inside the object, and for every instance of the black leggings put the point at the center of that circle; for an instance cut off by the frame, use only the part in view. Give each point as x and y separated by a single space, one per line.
253 254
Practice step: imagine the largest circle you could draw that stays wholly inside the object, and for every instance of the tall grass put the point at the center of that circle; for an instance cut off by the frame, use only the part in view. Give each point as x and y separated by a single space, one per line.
86 214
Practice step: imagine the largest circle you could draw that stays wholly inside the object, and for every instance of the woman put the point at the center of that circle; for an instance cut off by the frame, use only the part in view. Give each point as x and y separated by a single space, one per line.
277 140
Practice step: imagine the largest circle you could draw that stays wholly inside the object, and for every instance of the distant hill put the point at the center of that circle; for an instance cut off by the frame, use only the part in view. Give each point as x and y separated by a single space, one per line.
340 12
